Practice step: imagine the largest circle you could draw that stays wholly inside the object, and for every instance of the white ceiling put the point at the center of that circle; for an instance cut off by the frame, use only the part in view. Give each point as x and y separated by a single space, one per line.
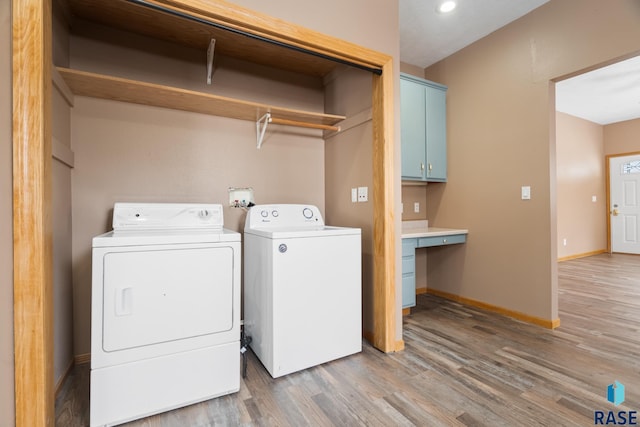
607 95
427 36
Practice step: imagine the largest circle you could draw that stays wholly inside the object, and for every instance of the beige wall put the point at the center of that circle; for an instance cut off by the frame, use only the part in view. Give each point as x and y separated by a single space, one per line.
7 401
412 69
622 137
62 281
344 171
62 266
580 177
62 163
501 136
411 194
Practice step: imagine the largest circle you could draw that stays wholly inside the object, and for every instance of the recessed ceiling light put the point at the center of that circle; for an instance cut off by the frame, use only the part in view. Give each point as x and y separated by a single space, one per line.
447 6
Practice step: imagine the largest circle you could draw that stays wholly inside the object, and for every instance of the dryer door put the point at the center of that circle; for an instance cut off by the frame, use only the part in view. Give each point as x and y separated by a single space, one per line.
157 296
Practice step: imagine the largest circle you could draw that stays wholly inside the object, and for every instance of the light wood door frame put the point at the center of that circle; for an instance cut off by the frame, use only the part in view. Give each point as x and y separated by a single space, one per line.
32 211
32 223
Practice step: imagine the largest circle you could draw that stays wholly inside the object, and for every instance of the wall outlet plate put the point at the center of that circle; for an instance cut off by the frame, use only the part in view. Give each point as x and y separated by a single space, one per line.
363 194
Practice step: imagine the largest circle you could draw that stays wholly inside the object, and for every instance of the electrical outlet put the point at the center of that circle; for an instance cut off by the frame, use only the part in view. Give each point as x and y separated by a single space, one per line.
416 207
363 194
564 242
594 199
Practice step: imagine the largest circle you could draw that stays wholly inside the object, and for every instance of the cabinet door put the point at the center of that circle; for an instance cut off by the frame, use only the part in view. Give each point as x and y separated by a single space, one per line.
436 134
413 132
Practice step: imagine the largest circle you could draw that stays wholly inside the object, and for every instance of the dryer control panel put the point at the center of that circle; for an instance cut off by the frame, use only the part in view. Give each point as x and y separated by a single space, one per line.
284 216
167 216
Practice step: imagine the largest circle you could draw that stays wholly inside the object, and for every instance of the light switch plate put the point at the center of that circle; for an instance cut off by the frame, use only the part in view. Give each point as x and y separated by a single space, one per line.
526 192
354 195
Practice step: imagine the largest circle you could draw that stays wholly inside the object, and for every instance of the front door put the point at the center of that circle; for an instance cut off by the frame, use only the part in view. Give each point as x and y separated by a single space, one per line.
624 209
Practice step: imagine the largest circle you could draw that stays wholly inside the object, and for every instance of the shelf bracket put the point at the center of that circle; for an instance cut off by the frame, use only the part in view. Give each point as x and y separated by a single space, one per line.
210 53
261 127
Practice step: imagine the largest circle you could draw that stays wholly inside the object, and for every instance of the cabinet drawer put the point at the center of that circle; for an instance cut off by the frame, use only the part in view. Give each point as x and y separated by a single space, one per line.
424 242
408 291
408 264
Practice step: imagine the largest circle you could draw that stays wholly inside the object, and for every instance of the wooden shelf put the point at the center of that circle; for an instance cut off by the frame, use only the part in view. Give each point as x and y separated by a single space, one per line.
119 89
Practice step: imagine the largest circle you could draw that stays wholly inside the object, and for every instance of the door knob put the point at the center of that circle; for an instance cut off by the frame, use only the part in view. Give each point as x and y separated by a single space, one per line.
614 212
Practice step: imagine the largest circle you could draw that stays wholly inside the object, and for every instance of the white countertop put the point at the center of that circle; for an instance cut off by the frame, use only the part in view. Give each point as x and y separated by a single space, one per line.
413 229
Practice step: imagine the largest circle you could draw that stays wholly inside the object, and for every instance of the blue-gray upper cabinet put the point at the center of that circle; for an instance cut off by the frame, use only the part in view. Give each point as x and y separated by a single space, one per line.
423 109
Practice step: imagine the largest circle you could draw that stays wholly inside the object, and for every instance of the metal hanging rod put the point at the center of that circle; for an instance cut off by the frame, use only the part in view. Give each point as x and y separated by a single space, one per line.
169 11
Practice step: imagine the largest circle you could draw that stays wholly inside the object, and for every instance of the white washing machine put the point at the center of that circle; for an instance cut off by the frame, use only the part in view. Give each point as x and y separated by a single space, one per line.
302 288
165 320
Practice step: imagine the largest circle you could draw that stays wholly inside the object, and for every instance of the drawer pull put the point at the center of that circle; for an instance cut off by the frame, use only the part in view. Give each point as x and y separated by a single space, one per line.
444 240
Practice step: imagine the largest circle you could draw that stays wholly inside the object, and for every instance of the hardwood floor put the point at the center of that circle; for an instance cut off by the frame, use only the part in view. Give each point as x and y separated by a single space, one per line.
461 366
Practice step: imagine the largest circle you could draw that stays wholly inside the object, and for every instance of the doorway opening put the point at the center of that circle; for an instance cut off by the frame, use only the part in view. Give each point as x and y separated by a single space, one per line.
597 117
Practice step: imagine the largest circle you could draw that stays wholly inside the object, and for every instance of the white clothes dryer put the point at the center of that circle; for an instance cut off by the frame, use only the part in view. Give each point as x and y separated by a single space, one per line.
165 321
302 288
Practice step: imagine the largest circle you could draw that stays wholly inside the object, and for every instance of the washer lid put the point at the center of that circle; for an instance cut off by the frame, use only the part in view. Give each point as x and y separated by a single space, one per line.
167 216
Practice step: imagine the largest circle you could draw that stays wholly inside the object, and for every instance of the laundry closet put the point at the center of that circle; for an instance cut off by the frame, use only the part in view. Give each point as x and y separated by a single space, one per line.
177 138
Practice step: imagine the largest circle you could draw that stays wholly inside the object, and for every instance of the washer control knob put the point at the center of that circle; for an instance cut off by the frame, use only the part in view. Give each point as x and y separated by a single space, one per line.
264 213
204 213
275 213
307 213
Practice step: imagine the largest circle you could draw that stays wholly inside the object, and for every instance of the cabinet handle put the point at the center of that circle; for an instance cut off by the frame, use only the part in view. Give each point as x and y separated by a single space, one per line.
430 167
421 166
444 240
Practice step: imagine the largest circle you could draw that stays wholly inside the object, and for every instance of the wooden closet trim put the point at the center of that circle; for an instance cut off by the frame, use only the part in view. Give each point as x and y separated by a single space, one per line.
33 301
32 223
248 21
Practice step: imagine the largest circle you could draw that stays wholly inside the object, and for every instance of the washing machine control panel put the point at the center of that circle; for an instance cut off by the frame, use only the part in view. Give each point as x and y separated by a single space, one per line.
282 216
166 216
